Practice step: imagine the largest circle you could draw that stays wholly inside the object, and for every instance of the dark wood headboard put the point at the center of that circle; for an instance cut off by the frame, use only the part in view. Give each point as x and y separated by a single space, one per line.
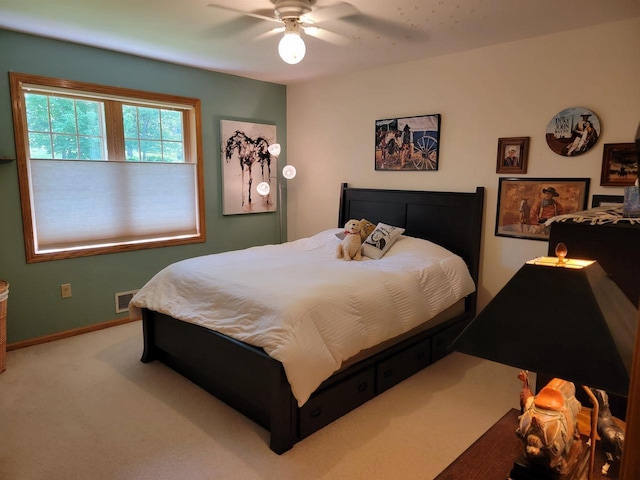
450 219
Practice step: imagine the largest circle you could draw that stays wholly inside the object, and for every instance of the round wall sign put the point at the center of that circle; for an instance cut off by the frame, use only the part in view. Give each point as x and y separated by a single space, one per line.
573 131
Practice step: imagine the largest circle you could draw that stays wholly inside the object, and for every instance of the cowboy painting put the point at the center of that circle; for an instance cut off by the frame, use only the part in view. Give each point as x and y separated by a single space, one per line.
546 207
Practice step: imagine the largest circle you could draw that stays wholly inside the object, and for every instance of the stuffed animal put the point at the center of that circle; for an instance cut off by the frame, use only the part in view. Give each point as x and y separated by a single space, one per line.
366 228
349 247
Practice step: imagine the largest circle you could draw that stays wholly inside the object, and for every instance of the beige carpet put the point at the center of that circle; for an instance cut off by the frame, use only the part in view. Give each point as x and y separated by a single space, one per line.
87 408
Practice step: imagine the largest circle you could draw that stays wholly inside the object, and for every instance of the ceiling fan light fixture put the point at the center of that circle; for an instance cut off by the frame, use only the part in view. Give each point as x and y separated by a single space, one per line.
291 47
291 8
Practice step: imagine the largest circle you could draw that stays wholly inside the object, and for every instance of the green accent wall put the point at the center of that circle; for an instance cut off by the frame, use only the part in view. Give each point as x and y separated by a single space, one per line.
35 307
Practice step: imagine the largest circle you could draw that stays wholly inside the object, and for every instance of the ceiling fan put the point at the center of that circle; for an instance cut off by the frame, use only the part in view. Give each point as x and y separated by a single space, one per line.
297 16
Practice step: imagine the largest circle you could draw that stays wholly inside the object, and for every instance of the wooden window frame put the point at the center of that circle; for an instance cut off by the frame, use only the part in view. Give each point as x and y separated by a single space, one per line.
112 98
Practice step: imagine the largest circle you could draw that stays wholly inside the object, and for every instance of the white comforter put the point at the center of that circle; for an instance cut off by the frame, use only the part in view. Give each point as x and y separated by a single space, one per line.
303 306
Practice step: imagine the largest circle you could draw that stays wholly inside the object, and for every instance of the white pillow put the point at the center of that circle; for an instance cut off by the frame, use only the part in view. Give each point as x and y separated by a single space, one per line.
380 240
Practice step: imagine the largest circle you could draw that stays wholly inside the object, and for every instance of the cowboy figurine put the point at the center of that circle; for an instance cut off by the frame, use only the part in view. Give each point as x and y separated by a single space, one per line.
546 207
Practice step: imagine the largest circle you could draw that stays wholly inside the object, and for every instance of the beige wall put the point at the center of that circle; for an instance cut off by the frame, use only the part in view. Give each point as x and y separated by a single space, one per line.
510 90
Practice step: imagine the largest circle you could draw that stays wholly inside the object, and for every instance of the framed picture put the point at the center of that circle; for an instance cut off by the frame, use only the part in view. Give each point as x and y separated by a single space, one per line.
525 204
606 200
573 131
512 155
408 143
246 162
619 165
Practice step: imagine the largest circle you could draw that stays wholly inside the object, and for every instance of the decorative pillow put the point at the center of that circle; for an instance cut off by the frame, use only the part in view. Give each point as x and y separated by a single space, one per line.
380 240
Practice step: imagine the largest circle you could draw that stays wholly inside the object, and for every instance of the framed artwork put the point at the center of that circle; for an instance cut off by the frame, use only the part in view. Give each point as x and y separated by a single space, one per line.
246 162
512 155
606 200
573 131
525 204
619 165
408 143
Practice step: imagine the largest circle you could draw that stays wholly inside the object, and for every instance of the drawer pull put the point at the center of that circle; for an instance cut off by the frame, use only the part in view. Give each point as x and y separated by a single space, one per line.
315 413
362 387
387 373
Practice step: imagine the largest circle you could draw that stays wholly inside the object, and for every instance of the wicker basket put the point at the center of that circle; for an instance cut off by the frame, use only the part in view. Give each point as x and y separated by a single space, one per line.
4 295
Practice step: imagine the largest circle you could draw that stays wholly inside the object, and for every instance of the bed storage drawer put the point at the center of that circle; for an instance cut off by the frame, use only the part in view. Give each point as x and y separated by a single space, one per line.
402 365
442 340
326 406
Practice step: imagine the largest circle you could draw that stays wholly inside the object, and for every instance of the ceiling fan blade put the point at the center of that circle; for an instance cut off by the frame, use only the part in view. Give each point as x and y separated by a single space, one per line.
270 33
261 15
326 35
333 12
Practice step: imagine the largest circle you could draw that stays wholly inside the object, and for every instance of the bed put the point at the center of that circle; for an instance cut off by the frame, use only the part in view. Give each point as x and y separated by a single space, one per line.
256 384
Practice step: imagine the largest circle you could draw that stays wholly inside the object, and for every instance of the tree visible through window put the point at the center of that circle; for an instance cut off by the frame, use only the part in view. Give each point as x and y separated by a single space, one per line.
152 134
65 128
106 169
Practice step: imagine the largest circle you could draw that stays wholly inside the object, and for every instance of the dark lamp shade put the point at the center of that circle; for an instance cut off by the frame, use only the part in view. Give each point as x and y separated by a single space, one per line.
571 322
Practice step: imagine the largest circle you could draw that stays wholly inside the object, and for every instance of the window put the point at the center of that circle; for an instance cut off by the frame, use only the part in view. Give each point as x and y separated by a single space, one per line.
104 169
152 134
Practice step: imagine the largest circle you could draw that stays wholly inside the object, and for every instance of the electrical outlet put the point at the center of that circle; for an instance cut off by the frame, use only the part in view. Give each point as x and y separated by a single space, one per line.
65 289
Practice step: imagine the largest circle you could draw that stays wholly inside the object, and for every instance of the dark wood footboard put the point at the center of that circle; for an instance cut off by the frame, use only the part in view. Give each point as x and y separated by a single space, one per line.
240 375
247 379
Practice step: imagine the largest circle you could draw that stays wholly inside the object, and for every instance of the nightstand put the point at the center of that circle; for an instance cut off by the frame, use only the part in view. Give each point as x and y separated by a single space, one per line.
491 457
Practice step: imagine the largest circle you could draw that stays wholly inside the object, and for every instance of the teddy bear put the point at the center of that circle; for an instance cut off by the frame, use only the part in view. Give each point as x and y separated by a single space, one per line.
366 228
349 247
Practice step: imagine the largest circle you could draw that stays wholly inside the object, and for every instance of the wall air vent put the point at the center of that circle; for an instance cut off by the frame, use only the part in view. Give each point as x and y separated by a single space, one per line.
123 299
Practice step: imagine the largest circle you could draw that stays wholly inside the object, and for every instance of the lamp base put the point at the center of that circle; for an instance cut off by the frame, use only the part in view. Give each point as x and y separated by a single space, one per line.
523 469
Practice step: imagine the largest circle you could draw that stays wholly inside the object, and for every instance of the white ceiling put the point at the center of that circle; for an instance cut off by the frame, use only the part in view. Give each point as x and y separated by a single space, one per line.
377 33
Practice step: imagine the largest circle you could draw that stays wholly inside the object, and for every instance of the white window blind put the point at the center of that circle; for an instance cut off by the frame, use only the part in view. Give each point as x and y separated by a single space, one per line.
93 203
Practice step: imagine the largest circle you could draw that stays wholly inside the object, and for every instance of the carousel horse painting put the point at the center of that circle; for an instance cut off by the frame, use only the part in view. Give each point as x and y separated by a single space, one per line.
248 152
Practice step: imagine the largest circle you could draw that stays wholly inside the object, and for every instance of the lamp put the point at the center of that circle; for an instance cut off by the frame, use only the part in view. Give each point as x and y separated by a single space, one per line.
565 319
288 172
263 188
274 149
291 47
